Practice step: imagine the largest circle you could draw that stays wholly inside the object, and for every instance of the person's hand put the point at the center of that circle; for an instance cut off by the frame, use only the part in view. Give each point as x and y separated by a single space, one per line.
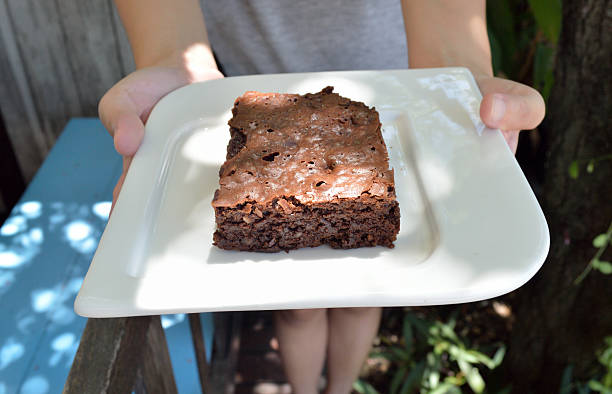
509 106
124 109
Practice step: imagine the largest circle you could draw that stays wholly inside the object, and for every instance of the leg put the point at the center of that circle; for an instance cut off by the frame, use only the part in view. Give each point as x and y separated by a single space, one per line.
351 332
302 339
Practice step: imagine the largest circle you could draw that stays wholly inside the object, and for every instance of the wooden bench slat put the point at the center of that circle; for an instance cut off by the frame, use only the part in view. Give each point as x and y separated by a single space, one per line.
109 350
195 326
156 367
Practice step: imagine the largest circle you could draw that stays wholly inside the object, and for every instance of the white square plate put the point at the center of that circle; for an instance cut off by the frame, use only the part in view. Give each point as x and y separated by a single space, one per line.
471 227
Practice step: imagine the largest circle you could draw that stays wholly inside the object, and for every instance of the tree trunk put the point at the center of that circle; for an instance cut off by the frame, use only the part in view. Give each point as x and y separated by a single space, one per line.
559 323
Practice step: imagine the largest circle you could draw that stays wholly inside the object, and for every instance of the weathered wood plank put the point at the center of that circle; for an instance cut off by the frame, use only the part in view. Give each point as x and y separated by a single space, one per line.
156 367
109 355
88 29
122 354
56 60
16 102
195 326
42 44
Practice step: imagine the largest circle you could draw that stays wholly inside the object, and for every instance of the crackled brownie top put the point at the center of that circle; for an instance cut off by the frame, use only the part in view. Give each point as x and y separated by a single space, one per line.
317 148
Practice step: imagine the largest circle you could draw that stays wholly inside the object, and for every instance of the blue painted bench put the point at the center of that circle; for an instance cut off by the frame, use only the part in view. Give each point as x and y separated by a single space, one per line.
46 245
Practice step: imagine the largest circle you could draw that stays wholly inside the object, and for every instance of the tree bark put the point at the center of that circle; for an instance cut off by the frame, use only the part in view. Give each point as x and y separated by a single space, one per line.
559 323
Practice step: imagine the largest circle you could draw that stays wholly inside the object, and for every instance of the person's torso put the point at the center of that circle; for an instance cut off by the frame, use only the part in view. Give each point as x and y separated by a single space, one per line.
276 36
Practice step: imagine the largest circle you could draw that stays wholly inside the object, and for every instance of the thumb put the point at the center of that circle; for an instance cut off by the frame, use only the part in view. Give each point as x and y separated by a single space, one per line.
522 109
128 133
122 120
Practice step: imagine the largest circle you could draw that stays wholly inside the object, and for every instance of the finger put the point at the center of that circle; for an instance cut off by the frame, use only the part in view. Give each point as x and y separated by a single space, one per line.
511 137
122 120
112 106
127 160
520 110
128 133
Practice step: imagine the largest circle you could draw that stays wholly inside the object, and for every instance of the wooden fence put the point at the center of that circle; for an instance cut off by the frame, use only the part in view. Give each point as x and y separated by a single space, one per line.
57 59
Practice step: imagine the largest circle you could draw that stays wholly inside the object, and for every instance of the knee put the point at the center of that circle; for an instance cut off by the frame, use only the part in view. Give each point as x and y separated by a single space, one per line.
300 316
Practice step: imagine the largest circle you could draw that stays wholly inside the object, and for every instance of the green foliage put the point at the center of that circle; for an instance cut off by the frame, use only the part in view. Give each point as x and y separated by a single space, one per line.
566 380
601 383
591 166
547 14
502 35
523 37
574 168
600 242
603 266
432 358
364 387
543 66
605 359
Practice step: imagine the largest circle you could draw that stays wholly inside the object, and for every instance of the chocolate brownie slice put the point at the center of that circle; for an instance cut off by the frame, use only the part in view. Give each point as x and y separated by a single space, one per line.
304 171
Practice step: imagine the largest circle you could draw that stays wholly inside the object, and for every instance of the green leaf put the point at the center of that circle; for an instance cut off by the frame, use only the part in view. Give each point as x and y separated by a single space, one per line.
574 170
607 380
605 267
566 380
500 25
441 347
433 360
455 380
364 387
433 379
408 335
421 325
475 381
482 358
597 386
446 388
398 378
496 53
463 355
606 355
600 241
591 166
448 331
400 353
543 66
413 379
547 14
472 376
498 357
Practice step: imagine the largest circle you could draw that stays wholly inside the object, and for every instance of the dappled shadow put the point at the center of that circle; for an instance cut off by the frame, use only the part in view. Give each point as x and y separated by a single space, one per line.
45 249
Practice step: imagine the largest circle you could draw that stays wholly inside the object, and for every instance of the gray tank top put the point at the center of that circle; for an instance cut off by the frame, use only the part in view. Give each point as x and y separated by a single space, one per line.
277 36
